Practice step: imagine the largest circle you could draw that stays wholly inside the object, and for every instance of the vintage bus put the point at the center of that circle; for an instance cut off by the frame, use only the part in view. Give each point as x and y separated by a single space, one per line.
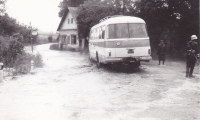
119 39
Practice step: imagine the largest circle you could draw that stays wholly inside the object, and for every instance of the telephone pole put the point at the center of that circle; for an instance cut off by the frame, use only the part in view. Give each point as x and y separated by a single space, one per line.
123 7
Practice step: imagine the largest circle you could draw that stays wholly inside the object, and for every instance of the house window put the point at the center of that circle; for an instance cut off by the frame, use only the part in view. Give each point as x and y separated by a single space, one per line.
63 38
68 21
71 20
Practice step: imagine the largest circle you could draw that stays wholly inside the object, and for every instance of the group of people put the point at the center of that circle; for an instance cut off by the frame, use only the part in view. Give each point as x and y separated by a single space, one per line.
192 54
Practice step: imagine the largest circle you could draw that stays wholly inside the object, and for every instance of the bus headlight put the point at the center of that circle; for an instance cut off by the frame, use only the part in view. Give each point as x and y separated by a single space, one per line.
118 43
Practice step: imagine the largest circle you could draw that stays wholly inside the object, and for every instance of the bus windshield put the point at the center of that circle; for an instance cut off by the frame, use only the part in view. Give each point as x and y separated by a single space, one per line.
127 30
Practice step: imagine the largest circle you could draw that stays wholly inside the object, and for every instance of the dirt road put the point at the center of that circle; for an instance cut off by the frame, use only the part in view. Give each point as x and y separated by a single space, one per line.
68 87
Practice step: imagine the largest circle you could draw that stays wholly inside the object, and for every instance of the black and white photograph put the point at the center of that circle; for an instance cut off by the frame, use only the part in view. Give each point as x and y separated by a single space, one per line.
99 60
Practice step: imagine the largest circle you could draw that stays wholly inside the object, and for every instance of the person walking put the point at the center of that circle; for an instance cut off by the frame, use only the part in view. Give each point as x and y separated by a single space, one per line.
161 51
192 55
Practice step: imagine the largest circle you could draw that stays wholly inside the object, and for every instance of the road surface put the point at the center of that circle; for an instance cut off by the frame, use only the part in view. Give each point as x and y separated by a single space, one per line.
68 87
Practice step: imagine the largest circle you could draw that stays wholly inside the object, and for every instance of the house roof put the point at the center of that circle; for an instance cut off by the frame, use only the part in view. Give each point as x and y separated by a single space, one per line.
74 13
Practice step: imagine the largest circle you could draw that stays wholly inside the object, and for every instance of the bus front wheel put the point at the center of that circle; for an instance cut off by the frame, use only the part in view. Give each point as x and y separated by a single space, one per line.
98 61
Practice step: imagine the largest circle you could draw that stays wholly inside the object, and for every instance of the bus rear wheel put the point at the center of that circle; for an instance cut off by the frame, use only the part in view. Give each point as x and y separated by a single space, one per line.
137 64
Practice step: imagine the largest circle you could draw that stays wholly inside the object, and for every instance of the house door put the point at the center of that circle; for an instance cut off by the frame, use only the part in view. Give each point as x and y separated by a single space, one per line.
73 39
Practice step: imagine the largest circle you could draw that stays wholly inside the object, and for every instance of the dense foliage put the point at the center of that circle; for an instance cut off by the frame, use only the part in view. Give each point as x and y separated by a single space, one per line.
2 7
10 27
68 3
12 37
90 13
171 20
22 64
12 54
9 50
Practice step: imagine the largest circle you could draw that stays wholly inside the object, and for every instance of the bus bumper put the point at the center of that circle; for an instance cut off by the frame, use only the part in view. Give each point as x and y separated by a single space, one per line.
146 58
113 60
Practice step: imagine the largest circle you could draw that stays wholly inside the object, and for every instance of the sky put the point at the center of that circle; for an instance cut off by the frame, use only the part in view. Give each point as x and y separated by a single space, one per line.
42 14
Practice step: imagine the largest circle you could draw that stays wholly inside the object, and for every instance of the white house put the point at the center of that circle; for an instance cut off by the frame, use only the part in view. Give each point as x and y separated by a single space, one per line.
68 34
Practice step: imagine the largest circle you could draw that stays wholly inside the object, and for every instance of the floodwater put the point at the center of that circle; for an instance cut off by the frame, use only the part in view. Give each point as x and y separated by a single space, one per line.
69 87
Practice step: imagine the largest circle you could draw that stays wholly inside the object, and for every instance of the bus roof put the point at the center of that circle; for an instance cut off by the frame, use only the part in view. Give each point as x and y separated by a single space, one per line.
119 19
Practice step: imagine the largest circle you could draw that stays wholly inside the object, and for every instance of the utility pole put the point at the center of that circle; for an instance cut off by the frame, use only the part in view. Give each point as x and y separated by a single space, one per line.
31 37
123 7
32 44
199 28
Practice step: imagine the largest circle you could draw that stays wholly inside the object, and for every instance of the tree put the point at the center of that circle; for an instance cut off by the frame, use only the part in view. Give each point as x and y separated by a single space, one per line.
90 13
122 6
93 10
2 7
8 25
172 20
68 3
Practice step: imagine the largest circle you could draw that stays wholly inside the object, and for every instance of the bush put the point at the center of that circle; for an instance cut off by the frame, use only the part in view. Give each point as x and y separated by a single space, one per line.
23 62
38 62
50 38
54 47
9 50
12 54
71 49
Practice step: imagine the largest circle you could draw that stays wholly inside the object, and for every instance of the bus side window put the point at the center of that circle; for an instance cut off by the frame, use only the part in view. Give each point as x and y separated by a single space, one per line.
90 36
111 31
93 34
103 32
96 33
99 32
106 32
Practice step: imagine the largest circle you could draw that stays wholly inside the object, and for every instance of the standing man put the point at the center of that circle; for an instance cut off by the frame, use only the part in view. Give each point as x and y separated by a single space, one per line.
192 55
161 52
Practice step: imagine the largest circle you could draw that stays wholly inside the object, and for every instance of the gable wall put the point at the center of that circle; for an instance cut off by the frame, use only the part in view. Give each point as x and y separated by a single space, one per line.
70 25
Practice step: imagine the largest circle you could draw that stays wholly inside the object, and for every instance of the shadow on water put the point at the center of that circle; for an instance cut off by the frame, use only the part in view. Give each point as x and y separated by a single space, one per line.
117 68
120 68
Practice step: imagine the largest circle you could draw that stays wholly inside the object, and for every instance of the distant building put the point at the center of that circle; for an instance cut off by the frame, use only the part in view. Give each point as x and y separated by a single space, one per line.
68 34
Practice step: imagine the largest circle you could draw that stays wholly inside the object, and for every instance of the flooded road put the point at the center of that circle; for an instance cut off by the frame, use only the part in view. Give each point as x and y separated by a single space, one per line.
69 87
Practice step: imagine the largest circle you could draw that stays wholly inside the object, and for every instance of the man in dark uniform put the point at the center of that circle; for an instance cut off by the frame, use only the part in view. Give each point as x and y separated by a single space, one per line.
161 52
192 55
